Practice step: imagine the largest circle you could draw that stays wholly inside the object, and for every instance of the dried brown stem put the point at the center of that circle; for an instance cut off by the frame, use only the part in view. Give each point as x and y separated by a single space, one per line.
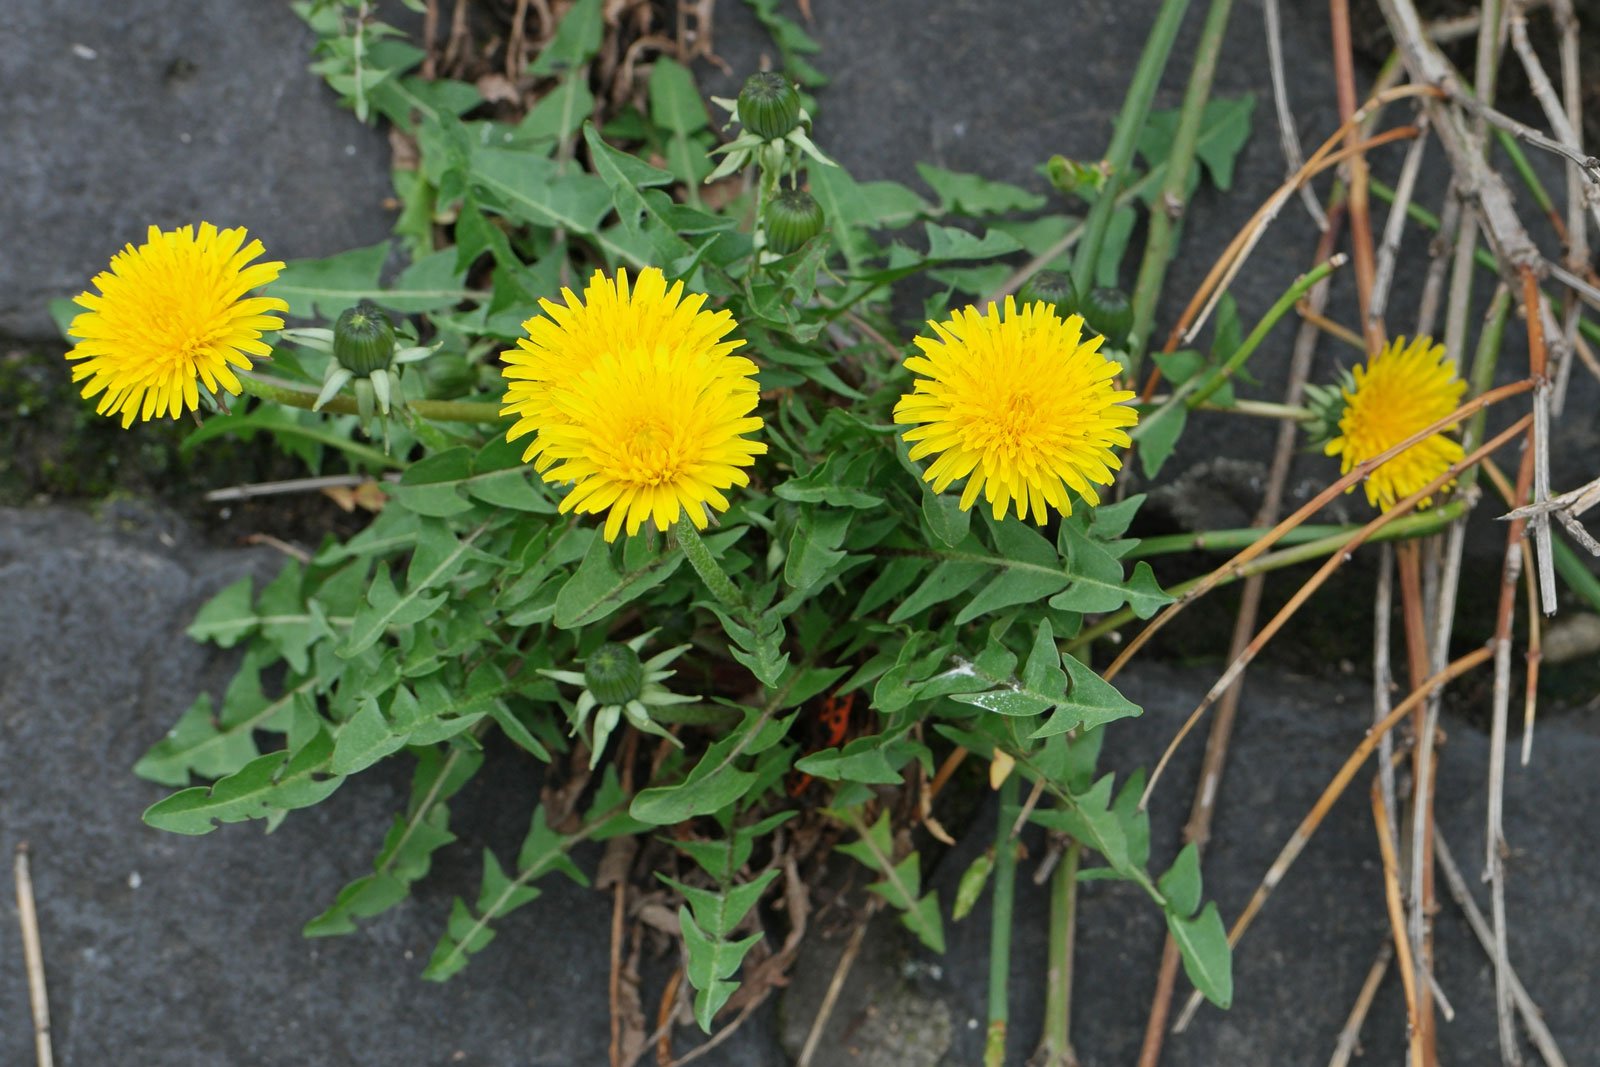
1288 137
1203 809
1350 1035
32 957
1258 548
1335 788
1532 1017
1416 1028
1494 823
847 960
1344 77
1315 582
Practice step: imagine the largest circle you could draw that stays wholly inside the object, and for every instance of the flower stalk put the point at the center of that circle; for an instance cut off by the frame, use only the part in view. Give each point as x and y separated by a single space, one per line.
716 580
1125 135
281 392
1005 883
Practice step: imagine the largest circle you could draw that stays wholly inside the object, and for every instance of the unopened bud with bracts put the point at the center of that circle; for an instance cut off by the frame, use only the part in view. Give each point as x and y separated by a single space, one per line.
1052 287
1109 313
363 339
769 105
791 219
614 674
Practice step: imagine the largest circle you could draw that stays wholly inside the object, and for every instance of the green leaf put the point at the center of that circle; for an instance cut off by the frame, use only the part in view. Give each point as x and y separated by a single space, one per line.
948 243
642 217
1181 884
576 40
216 745
1203 943
676 107
532 188
561 112
606 580
874 760
1098 583
971 886
428 487
948 578
1091 819
1091 701
262 789
364 740
1158 435
1017 544
408 848
1111 521
711 962
837 481
794 44
901 883
467 933
814 551
853 209
324 288
437 559
969 194
717 780
227 616
1224 129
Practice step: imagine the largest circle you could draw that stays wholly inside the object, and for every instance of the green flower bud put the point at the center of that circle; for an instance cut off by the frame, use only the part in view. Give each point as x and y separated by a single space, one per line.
1327 406
614 674
363 339
1109 313
769 105
792 219
1053 287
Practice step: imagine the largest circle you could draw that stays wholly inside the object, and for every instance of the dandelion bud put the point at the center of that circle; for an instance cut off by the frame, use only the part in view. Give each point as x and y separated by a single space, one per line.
1110 314
1052 287
792 219
614 674
363 339
769 106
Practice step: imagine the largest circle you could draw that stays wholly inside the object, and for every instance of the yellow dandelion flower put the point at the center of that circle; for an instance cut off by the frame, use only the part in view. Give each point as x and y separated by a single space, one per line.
169 312
1398 392
568 340
636 398
1021 405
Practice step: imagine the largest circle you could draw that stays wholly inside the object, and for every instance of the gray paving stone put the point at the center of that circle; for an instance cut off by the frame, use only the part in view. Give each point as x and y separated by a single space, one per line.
186 952
167 112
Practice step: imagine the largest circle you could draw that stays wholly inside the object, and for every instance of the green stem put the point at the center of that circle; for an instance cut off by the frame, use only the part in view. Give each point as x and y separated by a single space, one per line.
1194 392
281 392
1005 883
1174 198
1125 135
1484 361
1055 1047
1415 525
1232 540
1285 302
716 580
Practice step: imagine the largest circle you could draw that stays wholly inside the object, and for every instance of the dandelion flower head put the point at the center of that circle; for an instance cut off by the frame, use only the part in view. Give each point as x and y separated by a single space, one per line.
635 396
1398 392
169 314
1019 403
